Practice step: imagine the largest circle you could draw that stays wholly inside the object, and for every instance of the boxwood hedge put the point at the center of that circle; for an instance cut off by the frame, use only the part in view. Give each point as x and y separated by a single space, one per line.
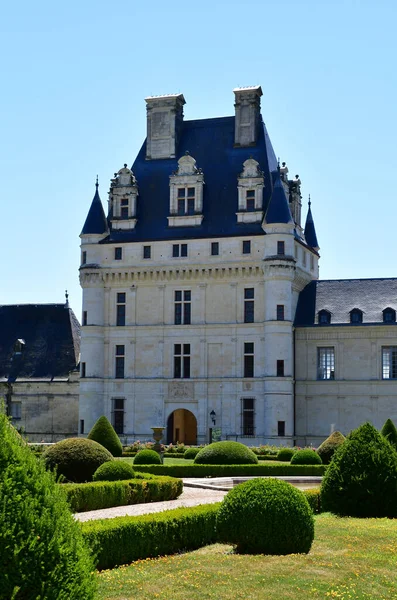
231 470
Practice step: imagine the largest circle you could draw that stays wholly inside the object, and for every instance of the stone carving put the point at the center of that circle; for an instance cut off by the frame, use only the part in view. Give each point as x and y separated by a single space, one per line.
183 389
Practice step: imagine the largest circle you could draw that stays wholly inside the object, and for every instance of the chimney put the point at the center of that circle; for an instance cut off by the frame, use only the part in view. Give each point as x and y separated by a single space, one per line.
248 109
164 124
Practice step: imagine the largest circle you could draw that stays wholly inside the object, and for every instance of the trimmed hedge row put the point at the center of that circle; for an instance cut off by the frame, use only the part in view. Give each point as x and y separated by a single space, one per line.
106 494
231 470
125 539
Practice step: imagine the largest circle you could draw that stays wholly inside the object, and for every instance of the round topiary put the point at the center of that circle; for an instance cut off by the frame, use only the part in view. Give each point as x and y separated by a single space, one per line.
77 459
389 431
361 480
226 453
115 470
104 434
327 449
266 516
42 550
306 457
285 454
147 457
191 453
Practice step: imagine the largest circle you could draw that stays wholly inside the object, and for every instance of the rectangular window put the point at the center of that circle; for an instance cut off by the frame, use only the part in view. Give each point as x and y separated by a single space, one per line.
84 317
248 417
182 361
118 415
183 249
179 250
16 412
124 212
281 248
214 248
247 247
280 368
147 252
326 363
389 362
281 428
81 425
182 307
120 360
248 359
249 305
84 257
83 369
120 309
186 201
118 254
312 262
304 258
250 200
280 312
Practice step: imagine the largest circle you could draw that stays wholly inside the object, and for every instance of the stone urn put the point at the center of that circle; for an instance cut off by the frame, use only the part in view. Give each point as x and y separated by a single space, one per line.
158 436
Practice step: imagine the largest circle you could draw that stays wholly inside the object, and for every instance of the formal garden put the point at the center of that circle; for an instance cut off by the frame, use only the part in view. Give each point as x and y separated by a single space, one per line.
266 539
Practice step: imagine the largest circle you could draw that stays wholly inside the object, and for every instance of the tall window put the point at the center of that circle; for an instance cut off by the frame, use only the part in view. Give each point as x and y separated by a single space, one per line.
124 211
81 425
120 360
182 361
389 362
182 307
120 309
280 312
147 252
118 253
83 369
280 368
250 200
249 305
248 359
85 317
281 428
214 248
248 417
84 257
186 200
246 246
118 415
179 250
281 248
16 412
326 363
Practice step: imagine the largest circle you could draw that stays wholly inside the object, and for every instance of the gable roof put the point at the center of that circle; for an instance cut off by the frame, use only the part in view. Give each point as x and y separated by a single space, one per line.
96 219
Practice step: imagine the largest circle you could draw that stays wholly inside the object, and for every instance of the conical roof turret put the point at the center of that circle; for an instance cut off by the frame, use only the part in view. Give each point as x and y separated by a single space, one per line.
278 208
310 231
95 222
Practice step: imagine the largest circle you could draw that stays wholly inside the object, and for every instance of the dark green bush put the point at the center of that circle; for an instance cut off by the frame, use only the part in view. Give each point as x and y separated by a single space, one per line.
285 454
125 539
42 552
192 470
115 470
225 453
361 480
313 498
76 459
191 453
103 433
327 449
147 457
306 457
389 431
266 516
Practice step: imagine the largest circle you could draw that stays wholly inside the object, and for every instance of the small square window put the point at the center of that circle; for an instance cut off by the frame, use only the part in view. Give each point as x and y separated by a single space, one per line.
118 254
190 192
147 252
250 194
214 248
247 247
280 248
181 193
124 202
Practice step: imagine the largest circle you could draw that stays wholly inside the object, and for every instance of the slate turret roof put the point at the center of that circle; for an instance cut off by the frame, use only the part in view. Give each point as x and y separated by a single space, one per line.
310 231
96 219
278 208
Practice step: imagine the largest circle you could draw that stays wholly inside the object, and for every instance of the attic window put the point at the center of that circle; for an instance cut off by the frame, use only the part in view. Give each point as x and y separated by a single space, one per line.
250 186
250 200
356 316
19 346
324 317
186 201
389 315
186 194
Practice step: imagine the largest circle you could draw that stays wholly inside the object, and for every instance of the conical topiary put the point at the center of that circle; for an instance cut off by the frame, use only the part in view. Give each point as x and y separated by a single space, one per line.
389 431
104 434
327 449
42 551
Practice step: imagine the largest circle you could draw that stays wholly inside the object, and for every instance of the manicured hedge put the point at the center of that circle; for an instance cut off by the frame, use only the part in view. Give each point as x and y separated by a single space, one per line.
231 470
125 539
105 494
313 498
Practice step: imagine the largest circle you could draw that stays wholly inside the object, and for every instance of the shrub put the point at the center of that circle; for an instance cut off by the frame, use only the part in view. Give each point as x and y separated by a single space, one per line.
147 457
103 433
115 470
192 470
226 453
306 457
285 454
313 498
77 459
361 480
389 431
42 551
266 516
191 453
327 449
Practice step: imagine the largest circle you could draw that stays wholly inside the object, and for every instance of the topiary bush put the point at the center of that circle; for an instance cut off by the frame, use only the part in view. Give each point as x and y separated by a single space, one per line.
306 457
103 433
191 453
76 459
361 480
147 457
266 516
327 449
389 431
226 453
115 470
285 454
42 551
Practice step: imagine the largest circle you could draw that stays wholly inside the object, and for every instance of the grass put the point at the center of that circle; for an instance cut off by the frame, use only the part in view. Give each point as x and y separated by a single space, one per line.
351 559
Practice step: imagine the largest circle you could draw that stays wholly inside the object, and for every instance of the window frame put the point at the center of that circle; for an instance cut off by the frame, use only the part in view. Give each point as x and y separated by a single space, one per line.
248 417
280 312
83 370
246 247
147 252
179 251
356 316
182 361
214 248
182 307
280 367
16 415
121 309
249 305
280 248
391 352
389 311
325 363
324 317
118 415
249 360
119 365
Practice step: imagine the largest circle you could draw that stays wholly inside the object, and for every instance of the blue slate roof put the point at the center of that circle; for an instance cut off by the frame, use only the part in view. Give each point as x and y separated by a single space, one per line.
211 143
278 208
310 231
340 296
96 219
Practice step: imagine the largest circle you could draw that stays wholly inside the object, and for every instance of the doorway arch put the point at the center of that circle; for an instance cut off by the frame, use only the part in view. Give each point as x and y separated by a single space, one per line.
182 427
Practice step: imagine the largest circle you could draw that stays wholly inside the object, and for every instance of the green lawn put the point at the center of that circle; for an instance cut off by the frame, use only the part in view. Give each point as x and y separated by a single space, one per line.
351 559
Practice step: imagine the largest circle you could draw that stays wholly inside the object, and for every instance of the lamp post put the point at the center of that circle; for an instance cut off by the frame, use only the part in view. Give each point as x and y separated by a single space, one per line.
213 419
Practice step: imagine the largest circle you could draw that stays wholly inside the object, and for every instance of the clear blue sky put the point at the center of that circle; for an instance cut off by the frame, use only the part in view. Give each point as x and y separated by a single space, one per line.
74 77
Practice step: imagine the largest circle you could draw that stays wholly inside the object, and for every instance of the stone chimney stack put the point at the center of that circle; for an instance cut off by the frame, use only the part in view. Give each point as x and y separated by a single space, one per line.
248 109
164 123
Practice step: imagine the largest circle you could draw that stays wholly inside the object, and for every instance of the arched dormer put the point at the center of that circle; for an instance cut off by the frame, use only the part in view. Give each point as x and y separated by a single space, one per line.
324 317
356 316
122 199
389 315
250 193
186 194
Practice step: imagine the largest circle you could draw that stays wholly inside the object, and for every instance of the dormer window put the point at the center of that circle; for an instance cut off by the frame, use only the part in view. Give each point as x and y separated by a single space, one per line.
324 317
250 193
123 198
356 315
389 315
124 211
19 346
186 194
250 200
186 201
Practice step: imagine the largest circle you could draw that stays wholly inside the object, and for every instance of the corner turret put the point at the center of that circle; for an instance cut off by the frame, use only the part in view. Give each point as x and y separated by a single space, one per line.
95 223
310 231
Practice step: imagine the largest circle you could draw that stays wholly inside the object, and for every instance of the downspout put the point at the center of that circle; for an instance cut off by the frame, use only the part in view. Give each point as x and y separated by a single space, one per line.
294 383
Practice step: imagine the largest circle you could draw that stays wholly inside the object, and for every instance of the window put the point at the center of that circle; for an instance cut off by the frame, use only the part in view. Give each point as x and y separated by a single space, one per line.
81 425
147 252
280 368
214 248
16 410
250 200
281 428
118 415
84 317
186 201
324 317
182 361
124 211
311 262
248 417
303 258
182 307
248 359
118 254
389 315
120 309
179 250
281 248
186 194
83 369
280 312
249 305
326 363
389 362
84 257
356 316
247 247
120 359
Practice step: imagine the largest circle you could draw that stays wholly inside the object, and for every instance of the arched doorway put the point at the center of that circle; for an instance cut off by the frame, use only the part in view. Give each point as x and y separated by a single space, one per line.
182 427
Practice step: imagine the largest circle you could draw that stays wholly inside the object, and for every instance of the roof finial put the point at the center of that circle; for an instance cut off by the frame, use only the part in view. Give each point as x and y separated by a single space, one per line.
278 164
66 299
96 183
309 202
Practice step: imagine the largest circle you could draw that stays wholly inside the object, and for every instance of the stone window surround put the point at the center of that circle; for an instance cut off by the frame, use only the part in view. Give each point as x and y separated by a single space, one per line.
119 362
182 355
249 360
325 363
250 180
389 362
182 307
118 412
187 176
248 416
